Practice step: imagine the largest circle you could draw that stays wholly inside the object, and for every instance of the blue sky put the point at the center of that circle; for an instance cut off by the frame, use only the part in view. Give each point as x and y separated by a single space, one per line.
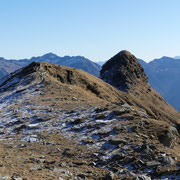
96 29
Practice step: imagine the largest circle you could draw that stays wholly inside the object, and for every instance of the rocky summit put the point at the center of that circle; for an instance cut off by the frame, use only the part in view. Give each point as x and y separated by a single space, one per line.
62 123
124 72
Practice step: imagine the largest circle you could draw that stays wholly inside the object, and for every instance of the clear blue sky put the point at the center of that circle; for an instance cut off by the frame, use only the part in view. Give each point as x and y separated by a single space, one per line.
96 29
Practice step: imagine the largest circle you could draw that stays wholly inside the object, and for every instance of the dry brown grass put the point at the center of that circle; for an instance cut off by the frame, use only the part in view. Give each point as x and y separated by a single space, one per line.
68 82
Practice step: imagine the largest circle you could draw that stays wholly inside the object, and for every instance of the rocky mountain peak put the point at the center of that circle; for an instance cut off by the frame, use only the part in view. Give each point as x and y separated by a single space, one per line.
50 55
125 53
124 72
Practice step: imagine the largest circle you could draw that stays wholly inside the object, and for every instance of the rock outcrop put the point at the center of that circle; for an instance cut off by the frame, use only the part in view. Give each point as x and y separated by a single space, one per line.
124 72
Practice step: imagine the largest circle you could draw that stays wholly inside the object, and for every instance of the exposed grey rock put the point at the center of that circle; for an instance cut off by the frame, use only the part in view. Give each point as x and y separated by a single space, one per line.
17 178
109 176
49 162
68 153
118 156
74 99
105 132
101 116
123 72
144 136
20 128
129 117
134 128
121 111
152 137
63 164
142 177
82 176
118 129
33 126
125 105
129 160
142 114
88 141
3 177
152 163
79 163
98 109
78 121
77 128
21 145
92 164
30 138
66 173
101 162
169 136
144 147
37 160
116 141
152 146
60 178
167 160
35 168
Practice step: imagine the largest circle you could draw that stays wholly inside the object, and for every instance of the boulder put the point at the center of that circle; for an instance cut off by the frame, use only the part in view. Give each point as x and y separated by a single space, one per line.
116 141
168 136
123 71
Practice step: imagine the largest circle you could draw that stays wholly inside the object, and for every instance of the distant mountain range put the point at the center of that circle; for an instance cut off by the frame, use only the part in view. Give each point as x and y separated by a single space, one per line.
80 62
164 76
177 57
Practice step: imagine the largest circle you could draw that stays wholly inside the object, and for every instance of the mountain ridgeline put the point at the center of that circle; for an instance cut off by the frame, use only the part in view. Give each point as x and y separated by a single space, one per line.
163 75
115 127
80 62
132 88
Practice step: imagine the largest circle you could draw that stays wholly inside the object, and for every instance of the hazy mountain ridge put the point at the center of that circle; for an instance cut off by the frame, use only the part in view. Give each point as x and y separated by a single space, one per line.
177 57
8 66
163 75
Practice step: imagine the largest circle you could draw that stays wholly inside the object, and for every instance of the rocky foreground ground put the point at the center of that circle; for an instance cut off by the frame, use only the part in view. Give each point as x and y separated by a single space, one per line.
107 141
